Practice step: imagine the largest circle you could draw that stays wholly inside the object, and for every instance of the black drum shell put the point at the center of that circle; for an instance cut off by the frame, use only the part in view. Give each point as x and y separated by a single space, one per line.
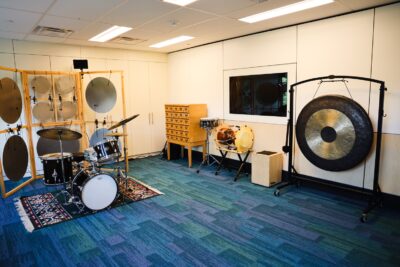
107 151
360 120
51 165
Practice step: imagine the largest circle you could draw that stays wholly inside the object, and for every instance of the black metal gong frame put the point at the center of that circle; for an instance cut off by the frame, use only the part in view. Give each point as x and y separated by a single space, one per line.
293 177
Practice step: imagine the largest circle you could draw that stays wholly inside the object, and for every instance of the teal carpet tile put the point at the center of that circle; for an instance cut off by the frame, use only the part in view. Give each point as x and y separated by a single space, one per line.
207 220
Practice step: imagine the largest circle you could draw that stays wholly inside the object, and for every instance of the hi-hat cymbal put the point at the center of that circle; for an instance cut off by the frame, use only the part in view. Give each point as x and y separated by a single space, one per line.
123 122
59 133
116 134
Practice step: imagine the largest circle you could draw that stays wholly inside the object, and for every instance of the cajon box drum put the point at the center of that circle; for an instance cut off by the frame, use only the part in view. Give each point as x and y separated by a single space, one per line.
266 168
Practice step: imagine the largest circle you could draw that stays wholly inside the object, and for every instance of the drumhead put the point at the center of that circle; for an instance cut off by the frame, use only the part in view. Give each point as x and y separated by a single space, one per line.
43 112
68 110
244 139
99 191
65 84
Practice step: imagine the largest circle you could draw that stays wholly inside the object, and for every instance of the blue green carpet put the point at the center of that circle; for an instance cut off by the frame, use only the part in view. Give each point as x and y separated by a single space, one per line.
207 220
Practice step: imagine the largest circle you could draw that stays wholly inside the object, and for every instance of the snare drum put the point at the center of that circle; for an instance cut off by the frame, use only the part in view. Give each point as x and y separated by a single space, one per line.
209 123
53 169
97 191
107 150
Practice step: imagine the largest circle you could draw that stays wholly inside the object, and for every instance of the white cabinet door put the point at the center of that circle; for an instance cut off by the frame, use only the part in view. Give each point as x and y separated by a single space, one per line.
158 96
137 102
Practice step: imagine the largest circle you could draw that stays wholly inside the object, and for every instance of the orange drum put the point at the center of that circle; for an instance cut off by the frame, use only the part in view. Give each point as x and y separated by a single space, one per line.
236 138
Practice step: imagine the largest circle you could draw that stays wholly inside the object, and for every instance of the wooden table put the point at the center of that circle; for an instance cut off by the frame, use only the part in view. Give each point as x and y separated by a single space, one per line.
189 146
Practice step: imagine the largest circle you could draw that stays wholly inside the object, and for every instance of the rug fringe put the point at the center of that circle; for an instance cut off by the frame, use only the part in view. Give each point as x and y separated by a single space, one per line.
23 216
146 185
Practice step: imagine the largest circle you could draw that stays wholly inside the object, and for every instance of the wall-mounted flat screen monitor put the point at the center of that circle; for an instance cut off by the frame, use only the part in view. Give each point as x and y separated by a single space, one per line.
262 94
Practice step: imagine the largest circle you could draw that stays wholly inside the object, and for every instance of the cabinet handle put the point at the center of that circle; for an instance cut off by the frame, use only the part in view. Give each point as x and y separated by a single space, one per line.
149 118
152 118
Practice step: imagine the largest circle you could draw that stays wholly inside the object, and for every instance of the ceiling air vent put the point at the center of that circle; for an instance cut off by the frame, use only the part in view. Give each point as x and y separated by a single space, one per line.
52 32
126 40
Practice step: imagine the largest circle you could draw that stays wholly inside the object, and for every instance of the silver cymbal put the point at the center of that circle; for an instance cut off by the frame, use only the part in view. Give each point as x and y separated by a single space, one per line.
65 84
41 84
43 111
10 100
68 110
101 95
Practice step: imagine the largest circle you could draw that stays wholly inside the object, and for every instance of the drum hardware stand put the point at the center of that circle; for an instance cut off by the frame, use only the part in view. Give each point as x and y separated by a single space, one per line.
206 160
242 161
293 177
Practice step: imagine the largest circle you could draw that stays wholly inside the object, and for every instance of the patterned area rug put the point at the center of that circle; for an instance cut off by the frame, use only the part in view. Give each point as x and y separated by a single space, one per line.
46 209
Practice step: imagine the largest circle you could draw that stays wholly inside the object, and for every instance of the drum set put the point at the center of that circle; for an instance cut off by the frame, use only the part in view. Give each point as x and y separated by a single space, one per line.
85 183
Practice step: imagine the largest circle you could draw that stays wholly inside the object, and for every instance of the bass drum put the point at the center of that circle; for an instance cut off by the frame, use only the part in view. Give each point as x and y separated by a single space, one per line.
96 191
236 138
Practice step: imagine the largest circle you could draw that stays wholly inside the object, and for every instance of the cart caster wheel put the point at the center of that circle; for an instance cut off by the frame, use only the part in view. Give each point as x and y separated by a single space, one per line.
277 193
364 218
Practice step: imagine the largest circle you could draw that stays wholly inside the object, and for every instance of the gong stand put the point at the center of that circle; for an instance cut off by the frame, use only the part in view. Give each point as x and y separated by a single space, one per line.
293 177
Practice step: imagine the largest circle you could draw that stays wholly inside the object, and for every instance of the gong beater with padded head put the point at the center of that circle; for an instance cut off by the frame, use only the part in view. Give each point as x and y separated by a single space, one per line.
15 158
101 95
10 100
334 132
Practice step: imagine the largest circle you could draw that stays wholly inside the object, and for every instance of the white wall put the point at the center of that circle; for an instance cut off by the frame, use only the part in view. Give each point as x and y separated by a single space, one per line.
57 57
360 44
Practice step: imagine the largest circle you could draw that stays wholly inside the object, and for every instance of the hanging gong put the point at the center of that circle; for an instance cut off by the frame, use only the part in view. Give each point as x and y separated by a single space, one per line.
10 100
334 132
47 146
41 84
101 95
15 158
43 111
65 85
66 110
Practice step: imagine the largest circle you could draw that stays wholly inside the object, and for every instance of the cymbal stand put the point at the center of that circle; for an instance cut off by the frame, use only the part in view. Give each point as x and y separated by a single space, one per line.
209 157
65 191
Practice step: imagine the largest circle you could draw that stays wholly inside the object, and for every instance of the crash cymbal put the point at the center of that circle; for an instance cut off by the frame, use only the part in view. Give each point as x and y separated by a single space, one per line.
123 122
101 95
66 110
65 84
15 158
116 134
10 101
43 111
41 84
59 133
334 132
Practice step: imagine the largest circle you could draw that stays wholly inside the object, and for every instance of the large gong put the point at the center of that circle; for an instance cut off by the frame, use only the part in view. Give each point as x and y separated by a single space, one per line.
10 100
15 158
101 95
334 132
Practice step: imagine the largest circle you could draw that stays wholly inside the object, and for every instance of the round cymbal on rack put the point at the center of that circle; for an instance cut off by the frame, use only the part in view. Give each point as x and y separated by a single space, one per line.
59 133
65 84
15 158
66 110
41 84
101 95
43 111
10 100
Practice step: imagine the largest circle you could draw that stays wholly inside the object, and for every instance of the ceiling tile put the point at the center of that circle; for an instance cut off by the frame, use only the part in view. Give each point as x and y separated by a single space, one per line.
137 12
176 20
85 10
17 21
46 39
141 34
360 4
89 31
64 23
12 35
222 6
39 5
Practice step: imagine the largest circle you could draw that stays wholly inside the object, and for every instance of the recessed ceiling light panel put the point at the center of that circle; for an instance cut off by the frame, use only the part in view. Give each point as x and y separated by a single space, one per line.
180 2
172 41
296 7
110 33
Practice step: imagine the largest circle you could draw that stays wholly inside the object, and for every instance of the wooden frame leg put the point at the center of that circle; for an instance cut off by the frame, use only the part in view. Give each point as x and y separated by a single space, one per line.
168 150
205 151
190 156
